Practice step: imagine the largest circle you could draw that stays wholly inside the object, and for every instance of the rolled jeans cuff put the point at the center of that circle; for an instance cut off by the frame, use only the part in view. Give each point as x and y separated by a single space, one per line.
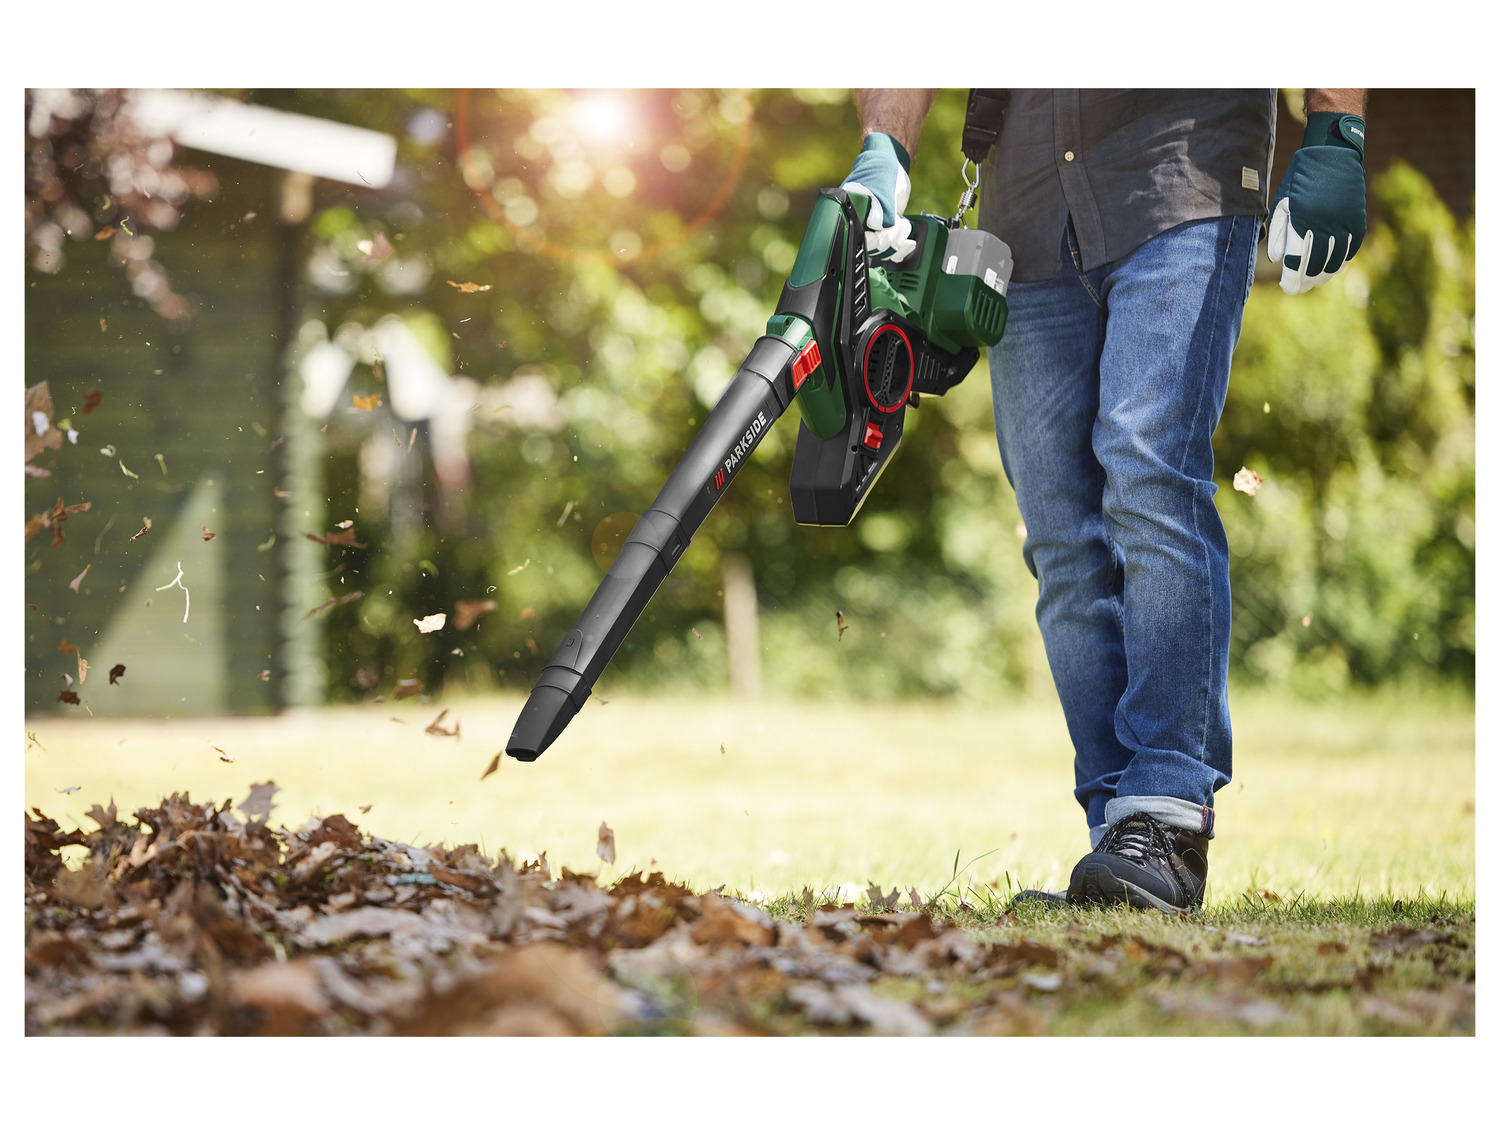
1169 810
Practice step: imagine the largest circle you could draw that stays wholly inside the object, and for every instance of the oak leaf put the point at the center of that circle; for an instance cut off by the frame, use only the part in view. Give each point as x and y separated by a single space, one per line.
257 806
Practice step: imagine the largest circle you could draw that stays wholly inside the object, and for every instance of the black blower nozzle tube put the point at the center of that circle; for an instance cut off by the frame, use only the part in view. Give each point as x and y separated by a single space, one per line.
757 395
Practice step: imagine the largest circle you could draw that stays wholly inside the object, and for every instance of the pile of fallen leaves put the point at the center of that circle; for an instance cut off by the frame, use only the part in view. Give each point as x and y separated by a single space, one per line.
199 919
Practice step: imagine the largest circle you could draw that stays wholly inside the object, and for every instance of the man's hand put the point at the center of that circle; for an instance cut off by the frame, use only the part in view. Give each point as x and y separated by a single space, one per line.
891 123
1318 215
882 172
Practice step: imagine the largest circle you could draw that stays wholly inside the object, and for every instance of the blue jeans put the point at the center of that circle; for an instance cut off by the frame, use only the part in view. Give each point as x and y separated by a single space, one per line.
1107 388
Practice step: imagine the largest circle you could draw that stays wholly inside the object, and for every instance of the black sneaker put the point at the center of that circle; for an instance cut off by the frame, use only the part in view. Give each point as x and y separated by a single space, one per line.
1143 863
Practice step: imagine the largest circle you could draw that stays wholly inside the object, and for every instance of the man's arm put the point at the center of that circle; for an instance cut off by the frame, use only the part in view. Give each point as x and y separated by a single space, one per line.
898 114
1335 101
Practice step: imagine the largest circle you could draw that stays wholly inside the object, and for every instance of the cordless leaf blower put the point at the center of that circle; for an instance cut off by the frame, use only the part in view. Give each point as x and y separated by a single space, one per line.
854 344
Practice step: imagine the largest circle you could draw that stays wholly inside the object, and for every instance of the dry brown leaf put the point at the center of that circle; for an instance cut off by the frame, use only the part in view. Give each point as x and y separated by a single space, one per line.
377 248
65 648
367 402
466 611
838 617
145 527
469 287
726 921
116 672
492 767
54 518
40 432
407 687
67 696
257 806
336 539
606 846
337 829
207 535
285 995
331 602
436 727
83 669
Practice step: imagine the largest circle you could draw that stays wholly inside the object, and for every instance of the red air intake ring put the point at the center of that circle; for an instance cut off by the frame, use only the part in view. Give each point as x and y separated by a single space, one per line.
889 353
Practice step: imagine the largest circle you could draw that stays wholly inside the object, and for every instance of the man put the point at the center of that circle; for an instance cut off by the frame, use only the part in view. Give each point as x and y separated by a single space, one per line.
1132 217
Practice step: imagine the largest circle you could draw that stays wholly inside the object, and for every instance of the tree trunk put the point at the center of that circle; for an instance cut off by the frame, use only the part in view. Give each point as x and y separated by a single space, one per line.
741 634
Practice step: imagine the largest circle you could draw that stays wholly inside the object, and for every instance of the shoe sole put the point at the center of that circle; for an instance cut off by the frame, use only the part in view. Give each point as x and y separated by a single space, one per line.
1100 885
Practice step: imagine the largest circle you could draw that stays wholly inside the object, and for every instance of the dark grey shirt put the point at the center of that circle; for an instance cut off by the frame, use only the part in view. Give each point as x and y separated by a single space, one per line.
1125 164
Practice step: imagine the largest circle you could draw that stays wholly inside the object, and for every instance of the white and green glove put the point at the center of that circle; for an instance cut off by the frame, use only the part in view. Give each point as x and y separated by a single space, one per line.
1318 216
882 172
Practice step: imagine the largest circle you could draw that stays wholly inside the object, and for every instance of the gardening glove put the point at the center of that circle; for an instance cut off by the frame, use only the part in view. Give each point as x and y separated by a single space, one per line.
883 173
1318 217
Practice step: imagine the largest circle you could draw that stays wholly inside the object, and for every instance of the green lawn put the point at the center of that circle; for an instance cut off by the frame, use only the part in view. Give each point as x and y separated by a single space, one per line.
1373 796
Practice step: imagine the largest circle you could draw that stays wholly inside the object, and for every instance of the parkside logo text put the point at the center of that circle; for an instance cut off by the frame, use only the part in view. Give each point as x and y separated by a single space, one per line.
741 448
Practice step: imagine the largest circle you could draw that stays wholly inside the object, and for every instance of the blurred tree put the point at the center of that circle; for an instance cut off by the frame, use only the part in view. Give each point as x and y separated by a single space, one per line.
1355 562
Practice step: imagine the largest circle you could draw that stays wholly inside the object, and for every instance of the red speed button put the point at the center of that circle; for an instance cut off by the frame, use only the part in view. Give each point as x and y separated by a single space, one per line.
872 436
805 364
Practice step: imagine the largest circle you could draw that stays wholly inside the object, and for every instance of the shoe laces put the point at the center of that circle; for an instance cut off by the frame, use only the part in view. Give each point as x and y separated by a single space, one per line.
1138 837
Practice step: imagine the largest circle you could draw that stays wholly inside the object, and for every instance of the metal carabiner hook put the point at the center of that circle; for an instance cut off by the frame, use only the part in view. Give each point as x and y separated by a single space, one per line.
967 199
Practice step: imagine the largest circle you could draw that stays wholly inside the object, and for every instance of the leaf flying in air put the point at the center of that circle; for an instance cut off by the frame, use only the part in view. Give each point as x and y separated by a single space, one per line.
1248 481
606 848
466 611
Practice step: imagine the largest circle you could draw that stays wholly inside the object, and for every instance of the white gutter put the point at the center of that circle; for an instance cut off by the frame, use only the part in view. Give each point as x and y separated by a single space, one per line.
273 137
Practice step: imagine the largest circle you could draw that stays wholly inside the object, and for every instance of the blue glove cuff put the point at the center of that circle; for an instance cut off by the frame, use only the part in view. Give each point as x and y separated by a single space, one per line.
884 142
1341 130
